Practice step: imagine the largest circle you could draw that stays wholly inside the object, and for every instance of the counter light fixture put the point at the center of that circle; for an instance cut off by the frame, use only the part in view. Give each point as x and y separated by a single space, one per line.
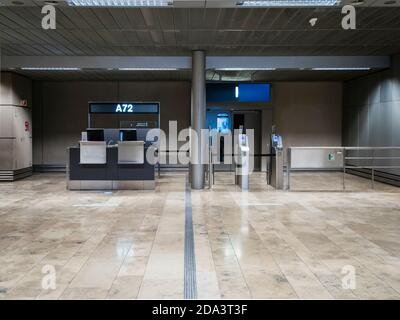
288 3
49 69
236 92
342 69
120 3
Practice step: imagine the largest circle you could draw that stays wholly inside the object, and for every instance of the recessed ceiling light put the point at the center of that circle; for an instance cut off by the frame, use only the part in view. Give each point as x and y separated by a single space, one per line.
313 21
147 69
288 3
53 3
120 3
357 3
390 2
245 69
17 3
342 69
50 69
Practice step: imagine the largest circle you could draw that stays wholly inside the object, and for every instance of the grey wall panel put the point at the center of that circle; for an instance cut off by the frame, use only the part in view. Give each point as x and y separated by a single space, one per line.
23 138
348 94
361 92
7 147
6 88
37 119
395 132
351 93
373 93
396 87
15 122
386 92
363 127
383 120
6 122
22 90
15 88
375 126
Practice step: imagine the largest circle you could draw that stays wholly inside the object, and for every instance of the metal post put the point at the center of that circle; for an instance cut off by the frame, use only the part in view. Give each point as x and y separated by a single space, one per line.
372 170
344 168
210 163
289 164
198 116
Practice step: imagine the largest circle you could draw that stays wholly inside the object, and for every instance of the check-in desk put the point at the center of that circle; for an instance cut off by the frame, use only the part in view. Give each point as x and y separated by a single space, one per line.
93 165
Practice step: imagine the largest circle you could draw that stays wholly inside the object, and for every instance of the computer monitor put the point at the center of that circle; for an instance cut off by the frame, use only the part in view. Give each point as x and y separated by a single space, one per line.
128 135
95 134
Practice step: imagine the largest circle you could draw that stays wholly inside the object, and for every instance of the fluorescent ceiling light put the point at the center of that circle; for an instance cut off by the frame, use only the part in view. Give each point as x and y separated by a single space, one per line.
245 69
341 69
120 3
147 69
288 3
50 69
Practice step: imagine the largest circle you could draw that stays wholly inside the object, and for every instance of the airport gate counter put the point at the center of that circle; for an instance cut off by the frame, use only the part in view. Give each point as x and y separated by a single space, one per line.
113 158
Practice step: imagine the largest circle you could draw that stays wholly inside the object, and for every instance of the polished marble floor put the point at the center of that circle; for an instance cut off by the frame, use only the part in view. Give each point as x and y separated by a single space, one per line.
302 244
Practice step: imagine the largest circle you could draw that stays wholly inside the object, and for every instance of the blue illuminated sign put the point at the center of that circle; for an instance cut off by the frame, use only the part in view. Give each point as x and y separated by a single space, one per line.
242 92
124 107
254 92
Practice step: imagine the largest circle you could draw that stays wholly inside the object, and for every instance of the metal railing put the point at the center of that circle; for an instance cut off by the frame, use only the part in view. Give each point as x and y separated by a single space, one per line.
372 156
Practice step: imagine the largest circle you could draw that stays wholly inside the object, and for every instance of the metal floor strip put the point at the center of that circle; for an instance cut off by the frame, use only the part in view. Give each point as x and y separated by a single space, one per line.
190 281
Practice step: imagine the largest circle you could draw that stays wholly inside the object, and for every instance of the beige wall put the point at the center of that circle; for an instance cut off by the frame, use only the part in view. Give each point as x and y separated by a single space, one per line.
60 110
308 113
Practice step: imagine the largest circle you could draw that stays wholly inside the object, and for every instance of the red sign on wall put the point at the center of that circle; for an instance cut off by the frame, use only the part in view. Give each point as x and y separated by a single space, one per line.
27 125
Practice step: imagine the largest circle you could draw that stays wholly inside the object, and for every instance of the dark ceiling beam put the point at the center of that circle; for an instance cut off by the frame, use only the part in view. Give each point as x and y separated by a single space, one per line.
184 62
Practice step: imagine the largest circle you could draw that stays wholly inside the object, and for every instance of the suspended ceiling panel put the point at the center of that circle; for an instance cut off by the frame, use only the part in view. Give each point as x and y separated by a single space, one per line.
185 75
219 31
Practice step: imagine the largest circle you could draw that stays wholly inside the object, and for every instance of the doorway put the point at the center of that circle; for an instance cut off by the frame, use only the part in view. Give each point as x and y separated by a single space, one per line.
226 122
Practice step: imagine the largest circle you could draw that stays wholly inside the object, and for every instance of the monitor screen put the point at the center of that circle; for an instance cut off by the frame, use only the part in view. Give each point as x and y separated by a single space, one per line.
223 123
128 135
95 134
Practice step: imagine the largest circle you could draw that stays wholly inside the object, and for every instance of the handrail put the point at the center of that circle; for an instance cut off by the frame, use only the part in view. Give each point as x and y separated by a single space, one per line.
372 166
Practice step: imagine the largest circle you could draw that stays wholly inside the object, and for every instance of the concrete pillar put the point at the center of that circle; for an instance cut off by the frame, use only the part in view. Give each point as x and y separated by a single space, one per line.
198 112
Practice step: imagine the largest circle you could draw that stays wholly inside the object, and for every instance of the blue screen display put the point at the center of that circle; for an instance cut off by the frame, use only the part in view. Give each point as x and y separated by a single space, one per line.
254 92
242 92
223 125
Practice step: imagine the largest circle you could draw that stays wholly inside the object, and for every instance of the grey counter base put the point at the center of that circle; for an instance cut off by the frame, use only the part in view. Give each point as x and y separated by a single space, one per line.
111 185
12 175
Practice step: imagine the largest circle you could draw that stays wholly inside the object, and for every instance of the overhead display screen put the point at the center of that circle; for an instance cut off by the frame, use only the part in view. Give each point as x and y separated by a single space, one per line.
239 92
253 92
124 107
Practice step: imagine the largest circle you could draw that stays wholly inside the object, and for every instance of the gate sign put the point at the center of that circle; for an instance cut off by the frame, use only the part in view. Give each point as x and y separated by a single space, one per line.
124 107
